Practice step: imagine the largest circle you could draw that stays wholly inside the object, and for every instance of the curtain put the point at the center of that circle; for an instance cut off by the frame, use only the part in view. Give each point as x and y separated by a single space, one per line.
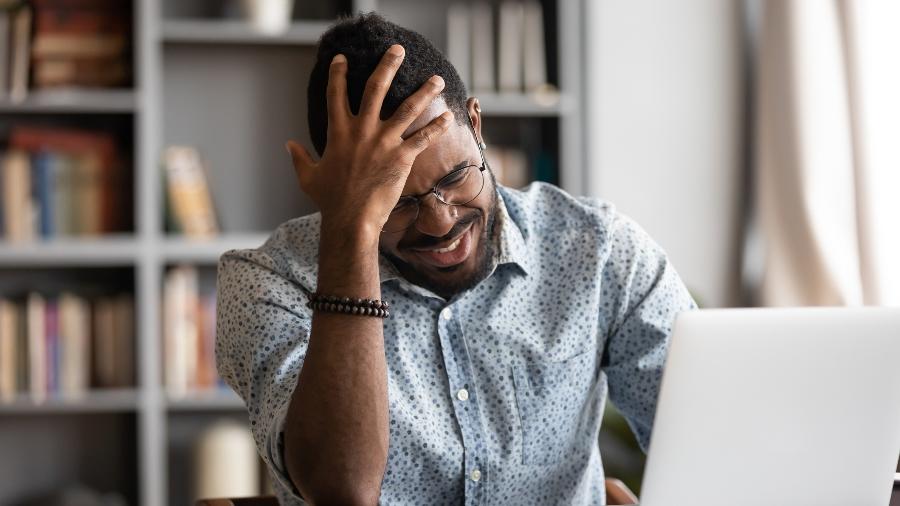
827 152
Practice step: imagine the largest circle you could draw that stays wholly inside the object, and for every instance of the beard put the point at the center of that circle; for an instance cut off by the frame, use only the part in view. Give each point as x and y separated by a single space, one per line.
449 285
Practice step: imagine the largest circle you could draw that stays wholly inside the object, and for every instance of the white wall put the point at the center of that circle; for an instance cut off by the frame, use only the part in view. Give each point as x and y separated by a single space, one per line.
663 88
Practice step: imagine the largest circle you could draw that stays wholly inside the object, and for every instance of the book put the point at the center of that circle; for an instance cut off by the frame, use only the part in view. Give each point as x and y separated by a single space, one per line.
5 17
88 195
510 54
188 193
23 354
459 41
37 347
124 352
112 345
180 304
104 343
8 353
87 73
482 23
52 345
20 54
206 353
78 46
17 203
44 192
510 166
74 337
534 49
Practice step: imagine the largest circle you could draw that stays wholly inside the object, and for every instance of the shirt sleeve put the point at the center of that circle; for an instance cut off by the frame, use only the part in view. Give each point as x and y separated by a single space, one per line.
262 333
648 294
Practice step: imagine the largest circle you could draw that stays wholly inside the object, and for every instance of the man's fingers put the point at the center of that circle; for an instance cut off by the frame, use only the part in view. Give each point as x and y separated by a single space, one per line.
302 161
425 136
336 96
413 106
379 82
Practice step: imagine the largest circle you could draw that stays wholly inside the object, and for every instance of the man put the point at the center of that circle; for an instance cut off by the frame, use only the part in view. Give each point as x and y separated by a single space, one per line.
512 313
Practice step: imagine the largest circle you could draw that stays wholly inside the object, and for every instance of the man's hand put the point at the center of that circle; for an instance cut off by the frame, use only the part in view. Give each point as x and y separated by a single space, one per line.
366 161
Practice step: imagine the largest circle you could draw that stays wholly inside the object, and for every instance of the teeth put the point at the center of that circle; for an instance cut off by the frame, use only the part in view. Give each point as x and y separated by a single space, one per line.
449 248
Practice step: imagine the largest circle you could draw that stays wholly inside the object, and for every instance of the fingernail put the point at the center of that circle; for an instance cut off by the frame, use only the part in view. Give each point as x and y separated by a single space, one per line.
287 147
339 58
396 50
437 81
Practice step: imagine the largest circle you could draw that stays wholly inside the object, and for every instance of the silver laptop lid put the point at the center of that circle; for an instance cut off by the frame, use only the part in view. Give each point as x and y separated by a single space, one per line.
778 406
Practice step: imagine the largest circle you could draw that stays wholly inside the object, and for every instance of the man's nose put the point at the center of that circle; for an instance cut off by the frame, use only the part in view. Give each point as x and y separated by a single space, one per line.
435 218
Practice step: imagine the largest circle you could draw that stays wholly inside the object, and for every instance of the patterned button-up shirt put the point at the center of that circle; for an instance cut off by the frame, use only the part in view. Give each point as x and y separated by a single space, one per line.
496 395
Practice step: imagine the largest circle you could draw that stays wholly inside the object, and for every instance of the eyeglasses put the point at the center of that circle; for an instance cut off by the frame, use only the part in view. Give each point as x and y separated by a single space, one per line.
457 188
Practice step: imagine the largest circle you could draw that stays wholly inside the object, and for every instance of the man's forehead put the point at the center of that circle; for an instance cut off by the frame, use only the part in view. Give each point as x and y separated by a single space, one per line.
434 109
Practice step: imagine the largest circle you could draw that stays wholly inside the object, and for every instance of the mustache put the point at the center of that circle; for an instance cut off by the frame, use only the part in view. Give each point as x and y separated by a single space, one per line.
428 241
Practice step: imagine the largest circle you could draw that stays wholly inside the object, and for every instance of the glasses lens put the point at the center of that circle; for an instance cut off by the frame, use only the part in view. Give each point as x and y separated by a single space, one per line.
457 188
404 213
461 186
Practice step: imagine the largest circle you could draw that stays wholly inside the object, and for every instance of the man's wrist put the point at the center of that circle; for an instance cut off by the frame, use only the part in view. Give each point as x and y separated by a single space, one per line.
355 234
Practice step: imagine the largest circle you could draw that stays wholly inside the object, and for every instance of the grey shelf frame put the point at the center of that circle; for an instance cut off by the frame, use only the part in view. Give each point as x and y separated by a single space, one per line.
124 400
237 32
73 101
149 250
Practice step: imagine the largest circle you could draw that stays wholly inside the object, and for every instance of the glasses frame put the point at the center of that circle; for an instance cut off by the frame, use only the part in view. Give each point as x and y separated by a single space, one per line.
433 191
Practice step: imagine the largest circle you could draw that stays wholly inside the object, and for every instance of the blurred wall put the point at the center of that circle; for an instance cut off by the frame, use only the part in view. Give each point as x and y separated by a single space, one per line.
664 95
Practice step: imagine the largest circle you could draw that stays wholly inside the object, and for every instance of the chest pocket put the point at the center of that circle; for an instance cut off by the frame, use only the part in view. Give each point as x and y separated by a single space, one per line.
550 398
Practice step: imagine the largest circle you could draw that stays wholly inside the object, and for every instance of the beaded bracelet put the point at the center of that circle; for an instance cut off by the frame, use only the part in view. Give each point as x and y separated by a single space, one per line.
347 305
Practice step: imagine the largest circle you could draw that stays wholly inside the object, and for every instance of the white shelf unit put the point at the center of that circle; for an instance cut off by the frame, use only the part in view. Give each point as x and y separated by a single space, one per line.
211 82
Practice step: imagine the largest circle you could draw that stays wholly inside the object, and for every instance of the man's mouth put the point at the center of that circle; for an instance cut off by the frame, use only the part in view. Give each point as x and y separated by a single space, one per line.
449 253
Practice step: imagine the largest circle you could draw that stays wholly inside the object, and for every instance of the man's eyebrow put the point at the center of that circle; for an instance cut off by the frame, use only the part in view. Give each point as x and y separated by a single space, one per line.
464 163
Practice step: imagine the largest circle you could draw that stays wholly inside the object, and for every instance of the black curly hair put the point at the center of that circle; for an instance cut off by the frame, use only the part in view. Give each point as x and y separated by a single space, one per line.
364 39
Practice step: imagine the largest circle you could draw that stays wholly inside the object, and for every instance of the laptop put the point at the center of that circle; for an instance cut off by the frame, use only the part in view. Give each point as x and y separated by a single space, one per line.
790 407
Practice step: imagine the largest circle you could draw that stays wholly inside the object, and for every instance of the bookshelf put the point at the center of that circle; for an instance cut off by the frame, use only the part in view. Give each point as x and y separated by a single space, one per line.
182 49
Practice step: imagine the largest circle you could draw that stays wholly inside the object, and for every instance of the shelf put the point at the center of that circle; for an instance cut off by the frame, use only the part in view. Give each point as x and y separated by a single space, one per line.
208 251
238 32
106 251
522 104
73 101
208 400
96 401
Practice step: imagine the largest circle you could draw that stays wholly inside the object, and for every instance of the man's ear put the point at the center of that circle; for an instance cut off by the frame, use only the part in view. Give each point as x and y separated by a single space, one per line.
474 110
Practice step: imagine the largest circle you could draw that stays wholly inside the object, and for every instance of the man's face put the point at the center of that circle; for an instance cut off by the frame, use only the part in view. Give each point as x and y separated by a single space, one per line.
448 248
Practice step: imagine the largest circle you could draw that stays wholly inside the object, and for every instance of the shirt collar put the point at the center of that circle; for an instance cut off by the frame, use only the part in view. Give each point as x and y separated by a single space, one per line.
511 248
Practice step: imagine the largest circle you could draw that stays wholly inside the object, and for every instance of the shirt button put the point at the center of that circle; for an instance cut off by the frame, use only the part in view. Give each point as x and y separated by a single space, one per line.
446 313
476 475
463 394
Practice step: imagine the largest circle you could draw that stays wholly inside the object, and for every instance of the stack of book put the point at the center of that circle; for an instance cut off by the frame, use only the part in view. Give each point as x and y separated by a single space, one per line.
189 327
64 43
62 182
521 57
65 344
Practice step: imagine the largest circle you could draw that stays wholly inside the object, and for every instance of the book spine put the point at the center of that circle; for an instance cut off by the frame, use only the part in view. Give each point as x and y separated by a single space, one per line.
8 352
55 350
44 193
37 347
